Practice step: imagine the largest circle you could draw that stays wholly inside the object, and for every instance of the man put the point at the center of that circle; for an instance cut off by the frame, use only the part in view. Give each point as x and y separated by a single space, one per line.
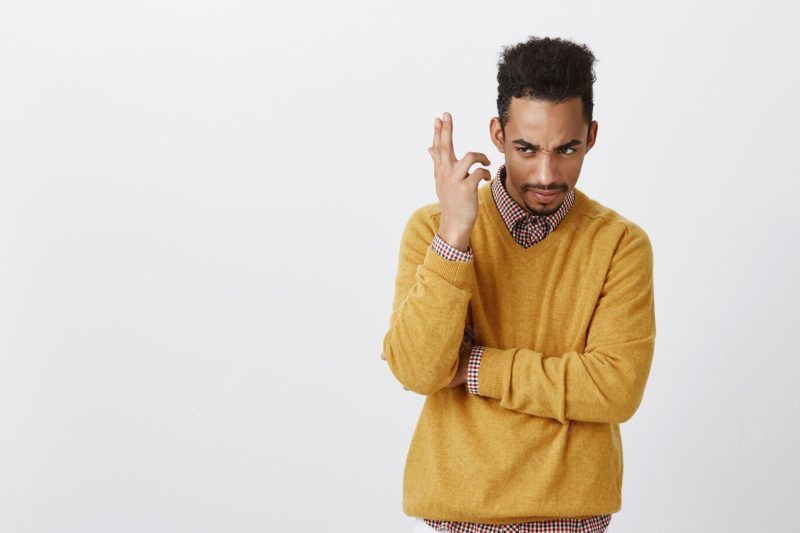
524 311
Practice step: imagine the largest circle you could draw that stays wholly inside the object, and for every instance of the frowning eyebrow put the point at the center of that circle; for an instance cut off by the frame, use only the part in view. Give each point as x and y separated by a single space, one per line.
526 144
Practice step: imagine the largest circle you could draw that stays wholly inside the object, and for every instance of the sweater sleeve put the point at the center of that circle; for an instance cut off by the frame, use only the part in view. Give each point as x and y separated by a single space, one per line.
429 311
606 382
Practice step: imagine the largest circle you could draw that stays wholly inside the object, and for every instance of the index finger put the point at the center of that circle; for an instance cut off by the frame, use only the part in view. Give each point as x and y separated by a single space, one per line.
434 149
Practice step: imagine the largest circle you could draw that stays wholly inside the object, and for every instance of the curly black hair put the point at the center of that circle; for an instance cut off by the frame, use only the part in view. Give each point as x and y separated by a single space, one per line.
550 69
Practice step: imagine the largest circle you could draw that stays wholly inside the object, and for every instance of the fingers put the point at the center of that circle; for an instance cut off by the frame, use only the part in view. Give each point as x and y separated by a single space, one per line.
442 148
446 139
475 157
469 159
442 151
479 174
434 149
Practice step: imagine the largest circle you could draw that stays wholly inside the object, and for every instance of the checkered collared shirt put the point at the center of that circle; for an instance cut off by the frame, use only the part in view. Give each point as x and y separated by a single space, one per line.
527 230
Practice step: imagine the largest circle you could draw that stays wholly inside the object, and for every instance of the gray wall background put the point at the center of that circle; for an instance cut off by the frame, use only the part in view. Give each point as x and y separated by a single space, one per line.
200 212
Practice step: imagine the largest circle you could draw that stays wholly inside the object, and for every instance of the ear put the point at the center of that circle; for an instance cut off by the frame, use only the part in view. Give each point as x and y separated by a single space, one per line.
496 134
591 136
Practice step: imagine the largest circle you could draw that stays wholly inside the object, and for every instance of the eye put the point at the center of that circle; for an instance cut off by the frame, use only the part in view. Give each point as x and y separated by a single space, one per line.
523 148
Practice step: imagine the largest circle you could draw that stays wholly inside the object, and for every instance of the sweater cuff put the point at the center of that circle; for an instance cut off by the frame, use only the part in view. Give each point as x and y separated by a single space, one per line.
495 364
454 272
473 368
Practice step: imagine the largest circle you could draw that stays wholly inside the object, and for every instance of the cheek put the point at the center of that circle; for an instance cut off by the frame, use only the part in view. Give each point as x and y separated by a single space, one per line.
574 166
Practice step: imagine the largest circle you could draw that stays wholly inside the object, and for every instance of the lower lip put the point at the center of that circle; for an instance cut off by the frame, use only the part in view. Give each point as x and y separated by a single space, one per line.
544 198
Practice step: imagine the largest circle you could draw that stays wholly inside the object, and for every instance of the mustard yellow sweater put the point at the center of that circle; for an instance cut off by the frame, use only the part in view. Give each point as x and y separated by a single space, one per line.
569 330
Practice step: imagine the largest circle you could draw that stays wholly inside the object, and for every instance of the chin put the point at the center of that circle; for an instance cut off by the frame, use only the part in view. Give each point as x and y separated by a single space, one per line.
541 211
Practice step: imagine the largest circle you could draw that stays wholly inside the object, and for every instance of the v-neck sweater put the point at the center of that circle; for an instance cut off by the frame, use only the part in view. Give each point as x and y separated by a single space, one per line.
568 330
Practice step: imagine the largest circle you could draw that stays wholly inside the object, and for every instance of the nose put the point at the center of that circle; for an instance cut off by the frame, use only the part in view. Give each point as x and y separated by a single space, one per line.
547 169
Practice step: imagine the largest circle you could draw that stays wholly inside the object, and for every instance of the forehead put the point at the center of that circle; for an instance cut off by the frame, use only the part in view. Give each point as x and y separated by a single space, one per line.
537 118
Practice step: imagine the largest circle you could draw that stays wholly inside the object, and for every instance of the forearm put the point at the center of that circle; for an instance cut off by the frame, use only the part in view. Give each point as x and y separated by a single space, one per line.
604 381
595 386
426 328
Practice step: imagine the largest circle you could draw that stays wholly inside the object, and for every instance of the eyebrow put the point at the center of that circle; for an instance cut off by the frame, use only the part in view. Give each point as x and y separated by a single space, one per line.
526 144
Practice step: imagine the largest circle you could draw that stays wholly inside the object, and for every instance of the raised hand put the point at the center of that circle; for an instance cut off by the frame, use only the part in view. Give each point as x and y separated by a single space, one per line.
456 186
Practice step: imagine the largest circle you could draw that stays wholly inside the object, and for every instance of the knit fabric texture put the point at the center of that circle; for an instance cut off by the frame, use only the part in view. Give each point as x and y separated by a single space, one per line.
567 332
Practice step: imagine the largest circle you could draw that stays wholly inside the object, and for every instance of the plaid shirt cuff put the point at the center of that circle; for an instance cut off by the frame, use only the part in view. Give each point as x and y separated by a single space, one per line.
448 252
473 366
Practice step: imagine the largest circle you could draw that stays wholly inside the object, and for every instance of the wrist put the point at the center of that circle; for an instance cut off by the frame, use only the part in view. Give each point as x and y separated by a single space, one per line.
457 238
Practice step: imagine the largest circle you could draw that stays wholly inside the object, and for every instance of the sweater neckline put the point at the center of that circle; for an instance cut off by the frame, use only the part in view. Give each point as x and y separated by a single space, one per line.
493 212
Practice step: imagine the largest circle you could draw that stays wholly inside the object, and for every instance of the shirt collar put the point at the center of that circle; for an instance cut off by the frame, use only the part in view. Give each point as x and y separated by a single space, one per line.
526 229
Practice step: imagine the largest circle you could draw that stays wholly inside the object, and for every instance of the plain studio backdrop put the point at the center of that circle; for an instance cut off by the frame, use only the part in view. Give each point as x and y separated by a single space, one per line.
200 214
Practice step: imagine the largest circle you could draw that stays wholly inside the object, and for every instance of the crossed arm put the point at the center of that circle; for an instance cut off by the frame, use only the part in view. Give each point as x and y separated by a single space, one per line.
603 383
